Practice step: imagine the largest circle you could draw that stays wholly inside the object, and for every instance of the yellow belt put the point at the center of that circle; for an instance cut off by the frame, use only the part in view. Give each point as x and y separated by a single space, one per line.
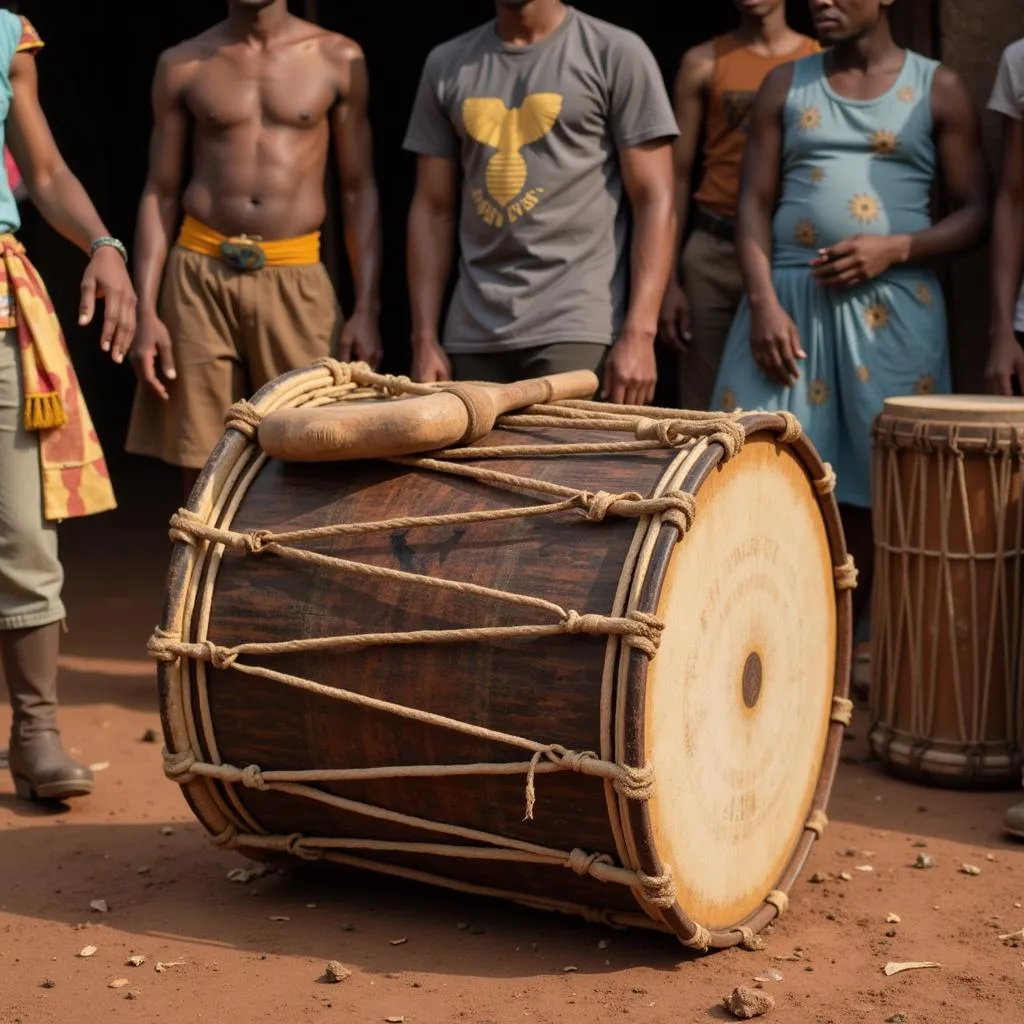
245 253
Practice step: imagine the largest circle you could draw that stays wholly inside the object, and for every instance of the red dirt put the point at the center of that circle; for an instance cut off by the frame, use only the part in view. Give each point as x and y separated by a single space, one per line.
240 967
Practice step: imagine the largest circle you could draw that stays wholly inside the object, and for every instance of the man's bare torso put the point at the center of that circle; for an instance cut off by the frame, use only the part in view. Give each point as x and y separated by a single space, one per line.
261 126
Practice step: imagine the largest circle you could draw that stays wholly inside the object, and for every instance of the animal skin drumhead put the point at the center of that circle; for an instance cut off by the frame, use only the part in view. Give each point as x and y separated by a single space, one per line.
738 700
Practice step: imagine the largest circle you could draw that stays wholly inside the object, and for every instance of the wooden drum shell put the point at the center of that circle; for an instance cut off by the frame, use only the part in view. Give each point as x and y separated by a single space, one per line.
946 618
582 692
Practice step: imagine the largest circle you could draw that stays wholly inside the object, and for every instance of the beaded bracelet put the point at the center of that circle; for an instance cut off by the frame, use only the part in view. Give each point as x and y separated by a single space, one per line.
107 241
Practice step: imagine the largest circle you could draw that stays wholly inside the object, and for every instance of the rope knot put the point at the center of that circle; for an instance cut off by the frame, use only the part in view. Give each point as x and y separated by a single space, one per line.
161 646
680 511
252 778
219 657
730 435
668 433
581 862
182 526
295 846
226 838
255 541
635 783
779 900
244 417
826 483
576 623
700 940
791 430
846 574
178 767
817 822
842 710
597 506
645 634
389 386
658 890
340 372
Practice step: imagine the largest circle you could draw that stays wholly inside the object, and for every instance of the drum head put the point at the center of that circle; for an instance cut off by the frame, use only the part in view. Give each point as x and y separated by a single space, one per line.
739 698
958 408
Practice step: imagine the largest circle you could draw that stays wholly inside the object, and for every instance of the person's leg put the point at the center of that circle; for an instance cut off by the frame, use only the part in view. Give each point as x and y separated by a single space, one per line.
561 357
31 610
494 367
714 288
199 306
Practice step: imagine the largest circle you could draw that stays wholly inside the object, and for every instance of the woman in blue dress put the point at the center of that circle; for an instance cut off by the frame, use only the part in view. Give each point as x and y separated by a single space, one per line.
835 238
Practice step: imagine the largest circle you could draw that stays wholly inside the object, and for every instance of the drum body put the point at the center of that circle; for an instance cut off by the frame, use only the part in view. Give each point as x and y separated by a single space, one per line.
946 619
643 723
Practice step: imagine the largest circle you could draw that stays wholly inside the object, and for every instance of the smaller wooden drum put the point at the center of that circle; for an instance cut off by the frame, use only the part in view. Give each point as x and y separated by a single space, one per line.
946 622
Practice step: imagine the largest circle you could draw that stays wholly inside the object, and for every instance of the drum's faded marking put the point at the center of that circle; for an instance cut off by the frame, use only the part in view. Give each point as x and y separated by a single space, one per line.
402 551
447 547
752 678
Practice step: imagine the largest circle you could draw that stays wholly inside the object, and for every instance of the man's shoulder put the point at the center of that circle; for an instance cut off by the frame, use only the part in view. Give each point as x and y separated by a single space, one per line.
450 54
614 38
197 48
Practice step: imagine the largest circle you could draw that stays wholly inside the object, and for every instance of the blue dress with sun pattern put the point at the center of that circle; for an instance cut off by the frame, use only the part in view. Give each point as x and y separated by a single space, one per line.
849 167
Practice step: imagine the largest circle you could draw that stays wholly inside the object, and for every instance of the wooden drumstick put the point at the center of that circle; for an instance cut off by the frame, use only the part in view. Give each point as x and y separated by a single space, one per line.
458 414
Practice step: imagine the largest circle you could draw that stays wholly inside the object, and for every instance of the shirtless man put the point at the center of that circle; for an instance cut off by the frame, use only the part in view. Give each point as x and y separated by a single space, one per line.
241 296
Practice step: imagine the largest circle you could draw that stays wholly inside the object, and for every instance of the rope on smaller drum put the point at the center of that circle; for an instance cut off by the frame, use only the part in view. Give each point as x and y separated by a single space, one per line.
826 483
846 574
842 710
163 646
635 783
749 941
244 417
779 900
646 634
658 890
700 940
817 822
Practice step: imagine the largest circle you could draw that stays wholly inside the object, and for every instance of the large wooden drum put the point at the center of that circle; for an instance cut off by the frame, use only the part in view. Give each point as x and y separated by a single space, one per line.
946 619
596 663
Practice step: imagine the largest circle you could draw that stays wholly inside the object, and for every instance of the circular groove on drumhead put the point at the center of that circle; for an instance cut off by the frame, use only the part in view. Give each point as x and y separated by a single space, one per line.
753 677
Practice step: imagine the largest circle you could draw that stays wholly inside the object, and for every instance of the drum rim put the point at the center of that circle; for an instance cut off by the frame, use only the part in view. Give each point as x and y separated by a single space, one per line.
235 456
636 814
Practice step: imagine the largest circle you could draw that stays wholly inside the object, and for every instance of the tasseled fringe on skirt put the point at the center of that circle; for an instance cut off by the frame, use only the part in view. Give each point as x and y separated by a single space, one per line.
44 412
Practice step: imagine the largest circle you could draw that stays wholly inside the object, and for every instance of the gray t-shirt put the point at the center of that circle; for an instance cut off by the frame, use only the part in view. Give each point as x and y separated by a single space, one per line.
536 130
1008 99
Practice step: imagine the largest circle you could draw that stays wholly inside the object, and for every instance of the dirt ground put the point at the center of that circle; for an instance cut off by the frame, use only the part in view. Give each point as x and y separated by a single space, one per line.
135 845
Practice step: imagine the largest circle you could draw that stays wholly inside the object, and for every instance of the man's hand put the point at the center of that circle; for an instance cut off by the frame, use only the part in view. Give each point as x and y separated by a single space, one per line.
860 259
360 340
674 322
775 342
107 278
630 370
1005 362
152 348
430 363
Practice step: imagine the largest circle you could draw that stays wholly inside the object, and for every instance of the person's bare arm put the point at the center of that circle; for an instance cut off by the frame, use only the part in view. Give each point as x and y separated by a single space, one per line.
774 341
353 140
67 208
430 248
691 85
159 210
630 373
1006 357
967 187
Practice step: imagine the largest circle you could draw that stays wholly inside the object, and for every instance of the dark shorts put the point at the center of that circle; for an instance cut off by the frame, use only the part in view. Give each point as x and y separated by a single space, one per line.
524 363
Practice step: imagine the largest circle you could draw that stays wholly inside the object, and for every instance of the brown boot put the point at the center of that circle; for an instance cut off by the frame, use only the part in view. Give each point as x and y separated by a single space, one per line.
38 763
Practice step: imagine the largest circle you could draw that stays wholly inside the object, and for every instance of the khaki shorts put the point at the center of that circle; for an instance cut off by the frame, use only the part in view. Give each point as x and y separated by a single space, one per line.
232 332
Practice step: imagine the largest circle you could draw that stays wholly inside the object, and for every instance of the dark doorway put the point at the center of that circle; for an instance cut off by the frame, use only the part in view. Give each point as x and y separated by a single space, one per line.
95 76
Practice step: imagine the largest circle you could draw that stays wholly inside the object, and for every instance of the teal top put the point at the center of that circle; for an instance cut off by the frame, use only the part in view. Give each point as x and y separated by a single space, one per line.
10 36
853 167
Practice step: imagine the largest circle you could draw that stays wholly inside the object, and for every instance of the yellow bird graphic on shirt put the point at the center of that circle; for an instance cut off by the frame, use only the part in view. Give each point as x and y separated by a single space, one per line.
491 123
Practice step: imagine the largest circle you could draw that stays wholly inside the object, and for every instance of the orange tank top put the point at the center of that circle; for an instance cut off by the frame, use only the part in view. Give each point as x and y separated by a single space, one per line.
737 77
